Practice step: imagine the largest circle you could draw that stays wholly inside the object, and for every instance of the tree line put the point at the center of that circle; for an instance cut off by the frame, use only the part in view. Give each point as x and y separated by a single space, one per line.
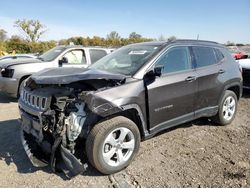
20 45
32 30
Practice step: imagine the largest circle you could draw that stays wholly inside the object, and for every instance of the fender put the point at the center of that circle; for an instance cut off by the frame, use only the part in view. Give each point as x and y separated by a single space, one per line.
105 108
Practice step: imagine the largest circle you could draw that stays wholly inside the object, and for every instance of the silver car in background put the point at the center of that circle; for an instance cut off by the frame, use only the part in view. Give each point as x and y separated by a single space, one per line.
14 72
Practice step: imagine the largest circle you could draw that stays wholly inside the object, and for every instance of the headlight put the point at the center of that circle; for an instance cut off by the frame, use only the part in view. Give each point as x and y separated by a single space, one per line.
8 73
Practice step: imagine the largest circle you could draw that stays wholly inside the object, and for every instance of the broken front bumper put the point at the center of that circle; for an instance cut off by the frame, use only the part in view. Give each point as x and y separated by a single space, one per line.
41 152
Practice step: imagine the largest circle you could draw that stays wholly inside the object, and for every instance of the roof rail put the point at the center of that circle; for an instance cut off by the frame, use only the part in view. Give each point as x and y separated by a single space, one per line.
193 40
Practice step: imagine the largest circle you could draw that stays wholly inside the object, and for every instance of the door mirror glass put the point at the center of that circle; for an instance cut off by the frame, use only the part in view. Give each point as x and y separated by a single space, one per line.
157 71
62 61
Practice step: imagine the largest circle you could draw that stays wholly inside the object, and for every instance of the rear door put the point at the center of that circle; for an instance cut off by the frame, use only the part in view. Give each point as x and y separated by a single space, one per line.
171 96
210 80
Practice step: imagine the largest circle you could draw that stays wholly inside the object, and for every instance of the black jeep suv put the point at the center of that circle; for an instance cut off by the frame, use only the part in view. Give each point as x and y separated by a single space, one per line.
101 113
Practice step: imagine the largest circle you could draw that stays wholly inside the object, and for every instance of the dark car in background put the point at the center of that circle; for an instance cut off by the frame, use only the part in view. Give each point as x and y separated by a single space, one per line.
245 65
101 113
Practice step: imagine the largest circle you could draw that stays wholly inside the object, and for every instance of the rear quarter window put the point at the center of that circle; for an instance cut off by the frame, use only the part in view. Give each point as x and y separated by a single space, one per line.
95 55
204 56
219 55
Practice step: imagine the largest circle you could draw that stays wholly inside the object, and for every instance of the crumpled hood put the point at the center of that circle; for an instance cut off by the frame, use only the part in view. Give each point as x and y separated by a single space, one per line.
7 63
67 75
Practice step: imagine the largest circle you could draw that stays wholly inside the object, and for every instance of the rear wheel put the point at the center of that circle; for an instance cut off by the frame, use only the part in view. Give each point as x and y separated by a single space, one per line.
227 108
112 144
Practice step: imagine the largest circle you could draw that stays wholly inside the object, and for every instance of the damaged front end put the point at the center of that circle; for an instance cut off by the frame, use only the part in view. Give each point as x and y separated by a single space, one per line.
48 134
55 121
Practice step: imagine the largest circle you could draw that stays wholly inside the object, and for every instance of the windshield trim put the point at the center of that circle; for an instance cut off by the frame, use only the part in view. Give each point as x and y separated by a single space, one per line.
155 48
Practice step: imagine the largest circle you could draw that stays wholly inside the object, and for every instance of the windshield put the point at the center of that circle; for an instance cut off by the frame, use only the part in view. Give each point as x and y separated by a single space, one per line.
126 60
52 53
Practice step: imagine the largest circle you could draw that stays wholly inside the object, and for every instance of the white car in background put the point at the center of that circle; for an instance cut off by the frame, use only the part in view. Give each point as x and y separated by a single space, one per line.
13 73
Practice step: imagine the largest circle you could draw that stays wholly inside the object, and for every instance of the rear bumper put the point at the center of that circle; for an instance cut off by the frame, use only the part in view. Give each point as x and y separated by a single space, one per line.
9 86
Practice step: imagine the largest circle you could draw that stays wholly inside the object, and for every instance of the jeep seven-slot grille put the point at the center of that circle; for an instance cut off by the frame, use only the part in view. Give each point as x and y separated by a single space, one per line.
35 101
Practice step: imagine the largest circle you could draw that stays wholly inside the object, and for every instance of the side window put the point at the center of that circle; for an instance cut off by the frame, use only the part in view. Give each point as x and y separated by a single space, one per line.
75 57
175 59
204 56
219 55
95 55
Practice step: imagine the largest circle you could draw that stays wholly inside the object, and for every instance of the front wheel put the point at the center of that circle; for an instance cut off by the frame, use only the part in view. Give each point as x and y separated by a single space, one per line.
112 144
227 108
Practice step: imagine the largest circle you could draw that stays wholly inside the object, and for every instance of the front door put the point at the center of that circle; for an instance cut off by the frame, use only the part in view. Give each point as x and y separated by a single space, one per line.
171 96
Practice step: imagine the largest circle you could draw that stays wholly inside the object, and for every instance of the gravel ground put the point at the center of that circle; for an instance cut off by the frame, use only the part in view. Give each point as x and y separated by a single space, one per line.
197 154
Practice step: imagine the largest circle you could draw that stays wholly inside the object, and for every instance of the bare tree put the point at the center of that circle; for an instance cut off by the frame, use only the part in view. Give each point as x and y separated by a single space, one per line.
134 35
32 29
3 35
113 36
114 39
161 38
172 38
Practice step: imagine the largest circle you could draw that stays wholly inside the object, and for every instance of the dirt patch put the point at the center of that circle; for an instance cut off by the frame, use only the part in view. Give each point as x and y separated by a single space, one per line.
197 154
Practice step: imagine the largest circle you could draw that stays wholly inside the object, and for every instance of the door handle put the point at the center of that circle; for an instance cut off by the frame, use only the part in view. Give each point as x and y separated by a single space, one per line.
221 71
190 78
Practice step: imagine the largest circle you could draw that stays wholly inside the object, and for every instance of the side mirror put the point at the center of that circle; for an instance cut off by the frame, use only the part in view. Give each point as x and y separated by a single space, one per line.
157 71
62 61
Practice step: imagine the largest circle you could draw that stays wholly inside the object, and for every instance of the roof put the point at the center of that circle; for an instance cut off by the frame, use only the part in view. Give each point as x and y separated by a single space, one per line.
190 41
180 41
81 46
156 43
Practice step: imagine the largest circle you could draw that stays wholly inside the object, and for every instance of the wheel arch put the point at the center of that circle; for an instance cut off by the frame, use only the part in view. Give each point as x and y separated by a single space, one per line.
131 111
134 113
234 87
20 81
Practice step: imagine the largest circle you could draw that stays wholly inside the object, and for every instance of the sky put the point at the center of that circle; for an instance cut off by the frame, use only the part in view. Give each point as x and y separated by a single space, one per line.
216 20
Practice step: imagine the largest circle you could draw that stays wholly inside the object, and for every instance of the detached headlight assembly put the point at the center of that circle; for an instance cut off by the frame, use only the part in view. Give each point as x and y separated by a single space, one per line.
8 73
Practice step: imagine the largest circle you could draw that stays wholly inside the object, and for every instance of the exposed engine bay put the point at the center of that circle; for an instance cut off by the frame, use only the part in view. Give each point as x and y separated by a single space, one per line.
56 119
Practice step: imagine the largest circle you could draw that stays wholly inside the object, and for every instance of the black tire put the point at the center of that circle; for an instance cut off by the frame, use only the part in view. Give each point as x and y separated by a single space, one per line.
96 138
219 118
